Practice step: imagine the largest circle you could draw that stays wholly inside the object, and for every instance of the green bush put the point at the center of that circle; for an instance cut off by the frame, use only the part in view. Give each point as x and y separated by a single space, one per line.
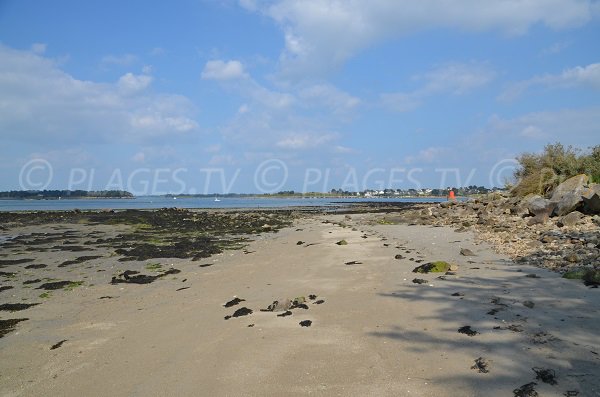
541 173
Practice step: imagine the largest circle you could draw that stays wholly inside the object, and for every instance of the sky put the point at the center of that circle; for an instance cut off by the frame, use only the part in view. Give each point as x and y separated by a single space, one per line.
248 96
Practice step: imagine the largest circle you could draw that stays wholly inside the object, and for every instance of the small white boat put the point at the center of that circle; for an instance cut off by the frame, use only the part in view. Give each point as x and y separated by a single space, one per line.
217 199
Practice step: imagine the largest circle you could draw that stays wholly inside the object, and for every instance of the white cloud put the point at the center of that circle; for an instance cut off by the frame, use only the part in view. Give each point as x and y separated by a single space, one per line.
243 109
130 83
298 141
344 150
400 102
119 60
39 101
38 48
216 148
222 159
431 154
578 127
579 76
221 70
451 78
321 35
556 48
330 97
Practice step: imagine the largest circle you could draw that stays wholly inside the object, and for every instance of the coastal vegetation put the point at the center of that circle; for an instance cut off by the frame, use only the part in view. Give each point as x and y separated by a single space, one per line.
540 173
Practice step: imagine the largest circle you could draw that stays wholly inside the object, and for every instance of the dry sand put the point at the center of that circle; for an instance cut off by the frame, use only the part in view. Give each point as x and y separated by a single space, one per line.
376 334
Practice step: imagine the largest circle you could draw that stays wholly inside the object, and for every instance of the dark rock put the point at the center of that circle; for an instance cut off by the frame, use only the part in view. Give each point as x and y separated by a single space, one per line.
312 297
515 328
591 199
529 304
527 390
545 375
419 281
466 252
243 311
234 301
482 365
591 277
6 287
305 323
80 259
133 277
58 344
399 257
467 331
342 242
9 325
319 302
40 266
278 306
10 262
15 307
300 243
54 285
353 263
458 294
285 314
37 280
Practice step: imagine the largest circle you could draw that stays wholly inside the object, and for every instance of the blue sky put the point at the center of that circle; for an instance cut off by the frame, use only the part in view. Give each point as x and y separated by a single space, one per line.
259 96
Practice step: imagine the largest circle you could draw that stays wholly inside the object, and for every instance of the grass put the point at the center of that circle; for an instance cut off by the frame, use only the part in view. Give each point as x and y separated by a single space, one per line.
73 285
45 295
154 267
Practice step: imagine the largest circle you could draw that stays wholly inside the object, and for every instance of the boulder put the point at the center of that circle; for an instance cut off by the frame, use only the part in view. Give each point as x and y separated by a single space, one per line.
591 199
567 203
570 219
568 195
540 208
575 184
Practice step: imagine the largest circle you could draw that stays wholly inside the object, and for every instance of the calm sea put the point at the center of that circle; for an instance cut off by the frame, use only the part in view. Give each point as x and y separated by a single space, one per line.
165 202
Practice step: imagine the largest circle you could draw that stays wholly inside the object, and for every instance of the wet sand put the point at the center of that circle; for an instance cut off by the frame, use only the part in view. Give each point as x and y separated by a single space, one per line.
373 331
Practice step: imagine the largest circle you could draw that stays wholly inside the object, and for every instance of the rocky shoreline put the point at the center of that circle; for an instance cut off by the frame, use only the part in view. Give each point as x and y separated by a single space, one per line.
560 233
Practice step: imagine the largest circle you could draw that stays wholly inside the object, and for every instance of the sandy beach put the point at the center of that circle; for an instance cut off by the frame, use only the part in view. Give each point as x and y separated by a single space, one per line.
376 328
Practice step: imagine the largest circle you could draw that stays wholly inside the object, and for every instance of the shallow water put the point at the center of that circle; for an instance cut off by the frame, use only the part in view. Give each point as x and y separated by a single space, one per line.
149 202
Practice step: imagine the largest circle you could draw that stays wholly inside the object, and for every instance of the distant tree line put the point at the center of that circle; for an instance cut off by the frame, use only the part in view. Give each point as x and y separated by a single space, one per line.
56 194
